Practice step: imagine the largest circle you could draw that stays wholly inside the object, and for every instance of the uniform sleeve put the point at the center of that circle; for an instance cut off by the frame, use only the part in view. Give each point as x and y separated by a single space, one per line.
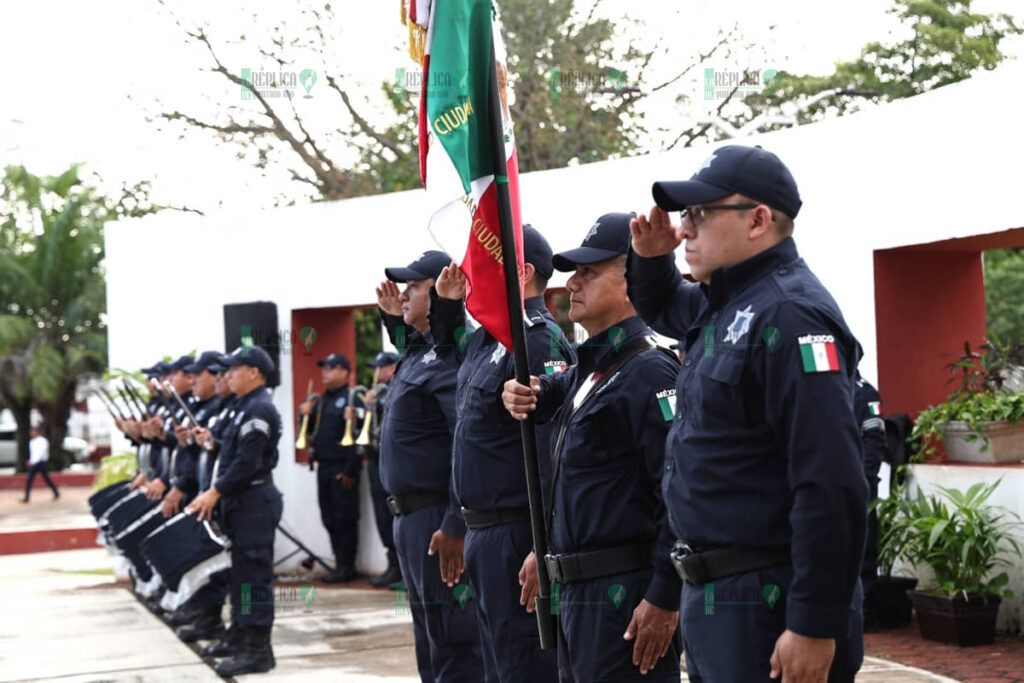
253 436
398 331
547 348
867 406
448 326
453 523
650 429
553 391
666 302
187 480
808 392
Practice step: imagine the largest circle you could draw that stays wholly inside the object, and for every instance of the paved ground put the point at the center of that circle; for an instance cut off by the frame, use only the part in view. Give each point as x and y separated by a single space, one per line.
67 618
43 512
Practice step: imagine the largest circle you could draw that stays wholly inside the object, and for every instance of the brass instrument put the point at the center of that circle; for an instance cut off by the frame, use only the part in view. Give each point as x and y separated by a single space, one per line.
300 443
358 391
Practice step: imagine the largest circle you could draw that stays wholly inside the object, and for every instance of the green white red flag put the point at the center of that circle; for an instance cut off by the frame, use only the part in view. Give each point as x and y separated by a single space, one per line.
458 159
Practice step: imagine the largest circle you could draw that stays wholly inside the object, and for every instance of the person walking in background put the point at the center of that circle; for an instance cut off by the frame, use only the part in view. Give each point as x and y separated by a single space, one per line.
38 455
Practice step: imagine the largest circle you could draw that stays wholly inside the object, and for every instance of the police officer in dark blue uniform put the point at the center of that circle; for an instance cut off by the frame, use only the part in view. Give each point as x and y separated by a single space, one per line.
867 405
166 443
619 593
415 468
764 482
251 506
383 364
205 621
210 439
488 477
338 466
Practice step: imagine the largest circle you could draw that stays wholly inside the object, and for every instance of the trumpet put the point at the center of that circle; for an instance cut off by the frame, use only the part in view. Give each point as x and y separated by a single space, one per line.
364 435
358 391
300 443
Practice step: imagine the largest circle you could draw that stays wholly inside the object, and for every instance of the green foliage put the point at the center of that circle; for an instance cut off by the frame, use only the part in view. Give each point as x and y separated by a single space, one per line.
52 289
893 538
940 42
960 537
980 397
1004 293
368 343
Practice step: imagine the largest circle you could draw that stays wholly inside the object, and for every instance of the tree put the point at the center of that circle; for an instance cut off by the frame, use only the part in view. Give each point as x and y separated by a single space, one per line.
52 292
1004 294
940 42
577 85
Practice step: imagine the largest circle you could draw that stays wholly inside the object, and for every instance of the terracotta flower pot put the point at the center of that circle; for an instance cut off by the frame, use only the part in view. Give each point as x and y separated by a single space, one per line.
956 620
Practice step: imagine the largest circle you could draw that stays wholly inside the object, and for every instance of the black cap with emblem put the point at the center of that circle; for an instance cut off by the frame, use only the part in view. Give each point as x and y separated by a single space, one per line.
607 238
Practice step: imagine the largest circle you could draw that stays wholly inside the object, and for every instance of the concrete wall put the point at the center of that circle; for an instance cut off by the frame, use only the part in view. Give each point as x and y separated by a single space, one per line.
912 172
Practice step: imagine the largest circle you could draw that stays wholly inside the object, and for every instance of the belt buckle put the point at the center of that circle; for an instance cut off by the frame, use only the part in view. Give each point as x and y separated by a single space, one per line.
394 507
554 568
681 551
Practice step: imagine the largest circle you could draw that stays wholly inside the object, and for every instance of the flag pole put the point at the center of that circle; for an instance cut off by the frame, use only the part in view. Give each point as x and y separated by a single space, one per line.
542 608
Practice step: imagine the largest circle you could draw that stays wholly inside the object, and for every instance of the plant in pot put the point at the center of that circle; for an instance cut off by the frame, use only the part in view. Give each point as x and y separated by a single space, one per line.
983 420
889 603
962 539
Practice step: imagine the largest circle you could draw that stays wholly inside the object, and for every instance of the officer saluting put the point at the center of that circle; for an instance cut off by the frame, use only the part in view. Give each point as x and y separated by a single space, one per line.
488 477
608 534
337 477
415 468
251 506
765 483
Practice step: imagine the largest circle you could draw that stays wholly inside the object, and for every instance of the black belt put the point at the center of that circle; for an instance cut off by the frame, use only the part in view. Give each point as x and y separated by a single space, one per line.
403 505
262 480
598 563
478 519
697 568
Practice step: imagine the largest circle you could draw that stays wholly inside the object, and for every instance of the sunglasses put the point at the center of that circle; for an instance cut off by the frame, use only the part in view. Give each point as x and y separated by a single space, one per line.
697 213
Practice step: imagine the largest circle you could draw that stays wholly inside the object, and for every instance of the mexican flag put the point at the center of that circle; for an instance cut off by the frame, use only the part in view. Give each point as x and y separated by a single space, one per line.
818 353
458 159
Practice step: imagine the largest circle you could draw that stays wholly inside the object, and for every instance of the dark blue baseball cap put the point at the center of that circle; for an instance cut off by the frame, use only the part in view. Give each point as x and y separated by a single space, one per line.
607 238
428 266
537 251
734 169
335 360
158 369
181 364
384 358
204 362
253 356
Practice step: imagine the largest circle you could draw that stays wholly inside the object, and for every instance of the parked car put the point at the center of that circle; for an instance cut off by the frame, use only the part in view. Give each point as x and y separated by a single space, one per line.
77 448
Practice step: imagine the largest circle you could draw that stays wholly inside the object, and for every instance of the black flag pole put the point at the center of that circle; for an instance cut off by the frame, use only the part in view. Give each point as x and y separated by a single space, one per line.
545 617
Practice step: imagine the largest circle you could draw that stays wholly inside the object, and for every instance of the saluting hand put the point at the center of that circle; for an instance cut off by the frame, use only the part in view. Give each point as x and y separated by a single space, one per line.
657 236
520 400
530 583
389 298
450 549
653 628
451 283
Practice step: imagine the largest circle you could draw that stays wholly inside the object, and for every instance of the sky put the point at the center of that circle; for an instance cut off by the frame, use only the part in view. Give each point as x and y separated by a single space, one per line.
84 80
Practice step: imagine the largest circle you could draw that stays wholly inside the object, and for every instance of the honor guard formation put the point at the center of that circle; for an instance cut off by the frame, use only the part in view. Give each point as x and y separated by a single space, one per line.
710 504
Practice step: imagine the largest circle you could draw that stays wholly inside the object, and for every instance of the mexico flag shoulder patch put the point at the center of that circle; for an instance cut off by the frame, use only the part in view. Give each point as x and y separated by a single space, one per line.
667 403
818 353
875 408
553 367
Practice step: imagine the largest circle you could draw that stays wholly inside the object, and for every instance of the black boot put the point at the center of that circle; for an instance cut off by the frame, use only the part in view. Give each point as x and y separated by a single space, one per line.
392 575
340 575
228 645
207 626
185 614
256 657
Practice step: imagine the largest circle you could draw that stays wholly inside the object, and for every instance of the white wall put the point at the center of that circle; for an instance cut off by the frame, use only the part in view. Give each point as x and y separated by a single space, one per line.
937 166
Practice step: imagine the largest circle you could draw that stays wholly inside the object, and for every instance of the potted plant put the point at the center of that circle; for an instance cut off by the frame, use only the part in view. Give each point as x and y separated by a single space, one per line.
962 539
888 603
983 420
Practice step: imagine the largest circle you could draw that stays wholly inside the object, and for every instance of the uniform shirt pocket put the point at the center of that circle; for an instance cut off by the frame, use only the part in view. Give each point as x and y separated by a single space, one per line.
720 389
